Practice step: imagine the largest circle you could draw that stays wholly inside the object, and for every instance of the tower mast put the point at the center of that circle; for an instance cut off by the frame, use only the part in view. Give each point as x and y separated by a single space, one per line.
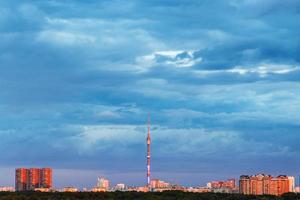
148 153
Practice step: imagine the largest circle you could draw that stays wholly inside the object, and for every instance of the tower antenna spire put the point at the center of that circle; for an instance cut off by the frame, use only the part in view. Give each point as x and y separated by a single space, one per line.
148 154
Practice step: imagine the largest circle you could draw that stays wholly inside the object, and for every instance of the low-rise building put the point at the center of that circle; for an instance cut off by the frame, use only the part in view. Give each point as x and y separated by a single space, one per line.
198 189
157 184
98 189
43 190
7 189
120 187
229 184
70 189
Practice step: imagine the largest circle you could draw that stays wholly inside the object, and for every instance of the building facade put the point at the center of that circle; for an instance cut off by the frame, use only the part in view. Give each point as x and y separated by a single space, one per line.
30 179
21 179
292 183
229 184
120 187
265 184
159 184
46 178
245 184
34 178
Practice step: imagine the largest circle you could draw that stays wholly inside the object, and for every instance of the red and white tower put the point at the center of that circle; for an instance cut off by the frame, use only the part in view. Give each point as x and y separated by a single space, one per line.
148 153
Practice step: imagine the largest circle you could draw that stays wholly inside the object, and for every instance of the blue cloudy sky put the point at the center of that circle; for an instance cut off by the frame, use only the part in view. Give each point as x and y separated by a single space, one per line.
220 78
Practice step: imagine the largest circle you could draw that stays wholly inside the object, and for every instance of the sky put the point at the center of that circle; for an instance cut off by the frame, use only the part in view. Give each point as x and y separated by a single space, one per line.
221 80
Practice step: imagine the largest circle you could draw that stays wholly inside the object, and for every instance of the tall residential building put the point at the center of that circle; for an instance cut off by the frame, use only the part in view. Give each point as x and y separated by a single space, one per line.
34 178
21 179
46 178
30 179
245 184
283 185
292 183
265 184
257 184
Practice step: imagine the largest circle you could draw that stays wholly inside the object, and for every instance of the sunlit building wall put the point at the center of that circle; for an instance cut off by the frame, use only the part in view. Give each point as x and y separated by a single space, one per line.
244 184
156 183
34 178
230 184
21 179
30 179
265 184
46 178
292 183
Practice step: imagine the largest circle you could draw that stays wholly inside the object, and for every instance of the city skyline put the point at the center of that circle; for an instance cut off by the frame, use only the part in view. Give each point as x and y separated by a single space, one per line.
40 179
221 80
27 179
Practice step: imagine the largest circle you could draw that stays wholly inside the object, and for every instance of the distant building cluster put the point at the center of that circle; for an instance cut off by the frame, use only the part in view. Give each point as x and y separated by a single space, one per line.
7 189
120 187
103 185
70 189
33 179
158 185
40 179
222 184
228 186
265 184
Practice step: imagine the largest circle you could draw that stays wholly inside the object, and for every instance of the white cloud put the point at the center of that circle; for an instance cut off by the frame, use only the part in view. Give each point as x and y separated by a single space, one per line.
265 69
108 34
106 42
108 114
158 88
119 138
65 38
218 35
106 137
174 58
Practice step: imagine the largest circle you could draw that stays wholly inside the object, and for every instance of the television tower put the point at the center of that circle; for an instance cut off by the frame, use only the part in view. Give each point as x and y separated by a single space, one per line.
148 153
